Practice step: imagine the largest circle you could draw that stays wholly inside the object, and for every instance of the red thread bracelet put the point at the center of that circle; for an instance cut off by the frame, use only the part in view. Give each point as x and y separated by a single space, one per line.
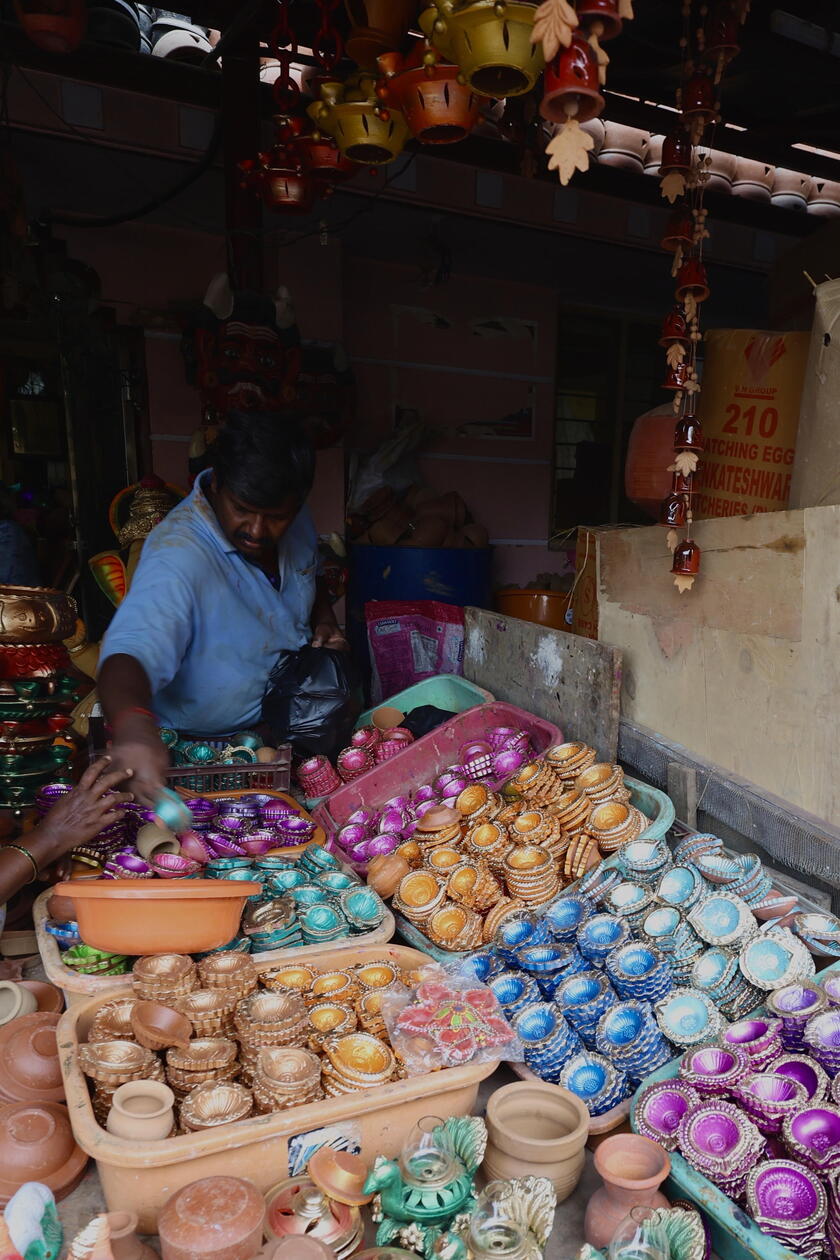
136 709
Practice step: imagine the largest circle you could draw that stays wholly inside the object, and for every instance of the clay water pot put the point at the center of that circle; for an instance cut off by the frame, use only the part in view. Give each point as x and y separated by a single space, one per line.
124 1241
142 1111
536 1130
217 1218
15 1001
29 1069
152 840
649 452
632 1169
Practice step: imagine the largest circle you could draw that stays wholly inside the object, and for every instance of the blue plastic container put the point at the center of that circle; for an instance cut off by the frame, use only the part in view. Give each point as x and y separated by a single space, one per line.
445 691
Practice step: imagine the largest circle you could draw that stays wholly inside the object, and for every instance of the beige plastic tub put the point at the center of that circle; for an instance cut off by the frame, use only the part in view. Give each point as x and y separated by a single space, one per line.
140 1177
77 987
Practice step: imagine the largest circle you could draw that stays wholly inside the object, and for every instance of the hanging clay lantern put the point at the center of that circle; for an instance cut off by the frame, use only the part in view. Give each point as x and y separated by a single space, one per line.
318 155
674 329
603 11
283 182
676 153
364 130
678 375
720 37
572 86
688 435
698 100
57 26
377 26
686 559
680 230
691 281
490 44
437 107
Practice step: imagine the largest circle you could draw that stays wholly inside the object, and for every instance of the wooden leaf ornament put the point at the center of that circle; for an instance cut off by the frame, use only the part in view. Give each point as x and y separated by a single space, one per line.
683 582
602 57
554 22
569 150
690 306
672 538
672 186
686 463
625 10
675 354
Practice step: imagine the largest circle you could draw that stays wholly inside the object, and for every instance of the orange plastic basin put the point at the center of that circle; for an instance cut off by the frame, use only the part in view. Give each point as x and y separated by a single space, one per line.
546 608
158 916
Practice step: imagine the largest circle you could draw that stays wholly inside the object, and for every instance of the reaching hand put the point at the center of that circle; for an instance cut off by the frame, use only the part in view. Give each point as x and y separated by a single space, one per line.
138 750
329 635
91 807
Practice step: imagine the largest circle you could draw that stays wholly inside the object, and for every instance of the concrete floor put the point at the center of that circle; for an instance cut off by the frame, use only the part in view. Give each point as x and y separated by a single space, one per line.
566 1239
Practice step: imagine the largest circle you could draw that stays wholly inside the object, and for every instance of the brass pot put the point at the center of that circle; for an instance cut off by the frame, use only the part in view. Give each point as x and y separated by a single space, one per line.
35 614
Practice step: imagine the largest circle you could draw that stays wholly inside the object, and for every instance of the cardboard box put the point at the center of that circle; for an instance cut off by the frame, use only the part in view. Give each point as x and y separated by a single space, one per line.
585 591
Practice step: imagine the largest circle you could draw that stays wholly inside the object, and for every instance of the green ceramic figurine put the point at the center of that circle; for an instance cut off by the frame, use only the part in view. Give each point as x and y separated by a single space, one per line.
32 1221
431 1187
512 1220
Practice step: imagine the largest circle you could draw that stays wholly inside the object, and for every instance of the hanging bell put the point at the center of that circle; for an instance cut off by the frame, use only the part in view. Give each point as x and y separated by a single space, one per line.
686 559
688 435
721 34
571 87
691 281
680 230
678 376
682 483
676 153
674 511
698 99
604 11
674 329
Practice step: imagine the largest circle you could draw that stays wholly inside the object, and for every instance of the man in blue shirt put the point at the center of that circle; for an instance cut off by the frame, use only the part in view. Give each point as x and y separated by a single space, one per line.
225 583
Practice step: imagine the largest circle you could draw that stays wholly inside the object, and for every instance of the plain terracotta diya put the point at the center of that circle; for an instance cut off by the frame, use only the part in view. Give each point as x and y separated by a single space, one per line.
539 1130
156 1027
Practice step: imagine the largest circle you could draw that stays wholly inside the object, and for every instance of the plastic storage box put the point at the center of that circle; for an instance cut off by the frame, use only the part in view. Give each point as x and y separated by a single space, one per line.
140 1176
445 691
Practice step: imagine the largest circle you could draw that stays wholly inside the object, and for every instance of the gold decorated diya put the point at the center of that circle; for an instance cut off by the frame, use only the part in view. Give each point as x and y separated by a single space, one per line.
613 824
488 841
115 1063
268 1010
337 986
378 974
418 896
210 1011
570 759
410 852
299 977
369 1009
531 874
291 1067
503 908
444 858
207 1106
161 974
112 1022
327 1019
473 885
572 809
477 802
530 827
581 855
230 971
202 1054
527 858
358 1060
182 1082
522 780
600 781
455 927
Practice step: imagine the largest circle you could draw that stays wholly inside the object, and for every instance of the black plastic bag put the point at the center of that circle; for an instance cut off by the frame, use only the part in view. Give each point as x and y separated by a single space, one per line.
425 718
311 701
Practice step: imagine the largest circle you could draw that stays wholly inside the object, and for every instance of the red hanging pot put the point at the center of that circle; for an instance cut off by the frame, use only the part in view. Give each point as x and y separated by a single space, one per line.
688 435
691 280
678 376
676 153
604 11
571 85
686 559
673 512
682 483
437 108
721 33
674 328
680 230
57 26
698 99
284 185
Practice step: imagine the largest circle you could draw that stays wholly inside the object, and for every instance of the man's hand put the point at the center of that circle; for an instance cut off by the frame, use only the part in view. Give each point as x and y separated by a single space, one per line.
137 750
328 634
80 816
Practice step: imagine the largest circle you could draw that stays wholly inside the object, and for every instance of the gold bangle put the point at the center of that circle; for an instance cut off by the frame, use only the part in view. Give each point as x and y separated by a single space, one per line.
20 849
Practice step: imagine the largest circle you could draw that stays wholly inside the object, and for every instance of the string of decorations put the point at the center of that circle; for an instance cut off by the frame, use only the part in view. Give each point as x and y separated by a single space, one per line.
708 44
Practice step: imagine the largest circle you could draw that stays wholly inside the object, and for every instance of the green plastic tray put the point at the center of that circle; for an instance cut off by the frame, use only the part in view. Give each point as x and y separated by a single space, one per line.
444 691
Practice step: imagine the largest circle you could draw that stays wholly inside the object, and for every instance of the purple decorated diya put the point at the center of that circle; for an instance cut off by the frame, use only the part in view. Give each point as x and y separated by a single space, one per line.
195 846
769 1099
173 866
258 842
760 1038
233 824
202 810
223 845
714 1069
831 987
273 812
295 830
381 846
813 1135
822 1038
660 1111
786 1198
49 793
718 1139
800 1068
794 1005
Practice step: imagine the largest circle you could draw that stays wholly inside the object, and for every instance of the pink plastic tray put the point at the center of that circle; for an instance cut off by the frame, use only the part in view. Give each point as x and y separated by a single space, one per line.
426 758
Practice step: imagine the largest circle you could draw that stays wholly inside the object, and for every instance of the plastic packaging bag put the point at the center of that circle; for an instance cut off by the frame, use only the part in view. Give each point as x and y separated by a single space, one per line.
446 1020
412 640
311 701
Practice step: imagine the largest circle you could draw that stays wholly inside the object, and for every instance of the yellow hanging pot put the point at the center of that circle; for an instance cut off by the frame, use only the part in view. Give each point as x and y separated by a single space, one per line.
362 127
490 42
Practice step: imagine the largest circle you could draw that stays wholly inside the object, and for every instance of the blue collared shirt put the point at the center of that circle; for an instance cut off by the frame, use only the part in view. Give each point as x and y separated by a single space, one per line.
206 625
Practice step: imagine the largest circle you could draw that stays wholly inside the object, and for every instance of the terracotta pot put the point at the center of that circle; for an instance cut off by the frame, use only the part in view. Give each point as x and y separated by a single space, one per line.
624 147
721 171
536 1130
543 608
142 1111
650 450
825 197
157 1026
36 1144
48 996
385 872
61 908
791 189
29 1069
15 1001
386 717
753 180
124 1241
653 155
152 840
217 1218
378 26
632 1168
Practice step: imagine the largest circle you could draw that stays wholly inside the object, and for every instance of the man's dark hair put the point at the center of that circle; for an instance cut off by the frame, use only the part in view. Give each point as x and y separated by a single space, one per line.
263 460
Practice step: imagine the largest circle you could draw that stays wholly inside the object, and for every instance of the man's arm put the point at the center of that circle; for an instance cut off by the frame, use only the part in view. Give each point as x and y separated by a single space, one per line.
126 696
326 631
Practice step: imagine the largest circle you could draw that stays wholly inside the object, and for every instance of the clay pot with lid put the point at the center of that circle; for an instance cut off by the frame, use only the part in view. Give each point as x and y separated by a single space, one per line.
217 1218
632 1168
36 1144
29 1068
538 1130
142 1111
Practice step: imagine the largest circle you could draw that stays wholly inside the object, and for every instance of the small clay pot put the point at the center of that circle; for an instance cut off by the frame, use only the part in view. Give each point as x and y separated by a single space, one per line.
385 872
124 1241
152 840
50 999
538 1130
142 1111
29 1068
217 1218
15 1001
62 909
156 1027
632 1168
386 717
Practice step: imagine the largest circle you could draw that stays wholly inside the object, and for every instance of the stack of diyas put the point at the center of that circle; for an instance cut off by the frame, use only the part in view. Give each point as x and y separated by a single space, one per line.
286 1077
110 1064
356 1061
208 1106
206 1060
